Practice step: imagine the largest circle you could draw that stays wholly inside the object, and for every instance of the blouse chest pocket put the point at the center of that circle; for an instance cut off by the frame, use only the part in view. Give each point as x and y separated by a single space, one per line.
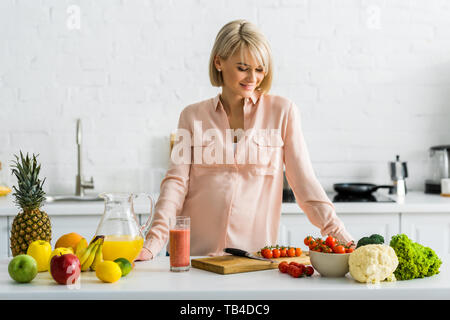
265 154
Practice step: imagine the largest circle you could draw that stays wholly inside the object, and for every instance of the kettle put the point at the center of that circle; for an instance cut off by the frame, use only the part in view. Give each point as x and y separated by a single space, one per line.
399 172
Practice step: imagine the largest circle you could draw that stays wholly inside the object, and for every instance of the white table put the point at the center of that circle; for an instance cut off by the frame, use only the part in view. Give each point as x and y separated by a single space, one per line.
153 280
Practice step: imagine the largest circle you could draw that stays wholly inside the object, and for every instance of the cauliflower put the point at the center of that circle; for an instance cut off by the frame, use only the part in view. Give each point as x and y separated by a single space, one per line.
373 263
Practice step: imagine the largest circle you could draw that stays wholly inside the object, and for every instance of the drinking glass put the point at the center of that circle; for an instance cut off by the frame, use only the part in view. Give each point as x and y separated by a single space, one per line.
179 243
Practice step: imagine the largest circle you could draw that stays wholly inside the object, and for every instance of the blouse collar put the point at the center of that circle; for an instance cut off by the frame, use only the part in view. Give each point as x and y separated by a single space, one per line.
254 98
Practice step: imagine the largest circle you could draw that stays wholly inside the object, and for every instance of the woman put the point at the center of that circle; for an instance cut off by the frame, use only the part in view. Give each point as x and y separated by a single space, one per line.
235 200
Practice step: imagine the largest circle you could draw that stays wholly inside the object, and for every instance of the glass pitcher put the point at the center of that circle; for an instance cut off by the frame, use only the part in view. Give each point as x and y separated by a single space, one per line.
124 236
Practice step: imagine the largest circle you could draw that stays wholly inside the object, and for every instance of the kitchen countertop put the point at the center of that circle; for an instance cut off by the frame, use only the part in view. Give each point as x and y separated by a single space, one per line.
414 202
153 280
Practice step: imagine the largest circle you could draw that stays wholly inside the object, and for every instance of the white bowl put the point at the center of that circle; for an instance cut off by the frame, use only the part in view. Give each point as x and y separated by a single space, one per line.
330 264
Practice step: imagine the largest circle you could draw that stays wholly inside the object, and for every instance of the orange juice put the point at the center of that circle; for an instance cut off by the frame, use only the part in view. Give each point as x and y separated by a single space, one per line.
123 246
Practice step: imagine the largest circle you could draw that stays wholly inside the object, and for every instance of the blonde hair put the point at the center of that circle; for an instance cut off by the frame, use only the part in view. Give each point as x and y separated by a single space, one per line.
237 35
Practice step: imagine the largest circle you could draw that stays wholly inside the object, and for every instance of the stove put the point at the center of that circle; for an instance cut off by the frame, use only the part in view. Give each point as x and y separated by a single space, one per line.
288 196
373 197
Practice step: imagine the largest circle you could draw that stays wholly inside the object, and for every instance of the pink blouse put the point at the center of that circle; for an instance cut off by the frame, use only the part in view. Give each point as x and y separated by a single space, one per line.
234 198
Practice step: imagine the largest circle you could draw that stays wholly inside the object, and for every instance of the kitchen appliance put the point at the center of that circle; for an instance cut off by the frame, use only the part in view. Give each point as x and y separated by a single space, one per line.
374 197
445 187
243 253
438 168
124 237
80 183
358 189
229 264
399 172
288 195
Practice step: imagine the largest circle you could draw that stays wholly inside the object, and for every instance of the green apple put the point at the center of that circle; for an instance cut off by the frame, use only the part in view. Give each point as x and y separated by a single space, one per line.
23 268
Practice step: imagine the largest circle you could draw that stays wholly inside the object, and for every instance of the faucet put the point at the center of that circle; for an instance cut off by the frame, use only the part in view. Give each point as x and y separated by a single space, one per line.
81 184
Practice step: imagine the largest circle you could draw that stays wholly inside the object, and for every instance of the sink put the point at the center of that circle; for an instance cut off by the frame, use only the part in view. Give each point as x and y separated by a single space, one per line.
61 198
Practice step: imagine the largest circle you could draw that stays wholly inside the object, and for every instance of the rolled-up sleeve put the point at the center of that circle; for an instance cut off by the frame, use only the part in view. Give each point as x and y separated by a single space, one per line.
173 190
300 175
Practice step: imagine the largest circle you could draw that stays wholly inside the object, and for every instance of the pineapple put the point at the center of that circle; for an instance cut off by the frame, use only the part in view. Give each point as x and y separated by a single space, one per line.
31 223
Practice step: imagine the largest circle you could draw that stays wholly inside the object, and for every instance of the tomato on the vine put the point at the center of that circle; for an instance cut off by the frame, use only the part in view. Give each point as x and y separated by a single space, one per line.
308 240
276 253
283 267
309 271
330 241
267 253
313 245
339 249
291 252
294 271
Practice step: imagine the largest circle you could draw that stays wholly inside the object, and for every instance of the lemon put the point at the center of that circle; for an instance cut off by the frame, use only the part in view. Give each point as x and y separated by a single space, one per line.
108 271
125 266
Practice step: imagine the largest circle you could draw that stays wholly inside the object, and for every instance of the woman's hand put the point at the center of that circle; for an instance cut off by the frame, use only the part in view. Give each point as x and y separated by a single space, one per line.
351 244
144 255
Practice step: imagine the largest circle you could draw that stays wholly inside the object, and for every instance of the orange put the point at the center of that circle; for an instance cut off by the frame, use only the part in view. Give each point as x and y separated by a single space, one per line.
69 240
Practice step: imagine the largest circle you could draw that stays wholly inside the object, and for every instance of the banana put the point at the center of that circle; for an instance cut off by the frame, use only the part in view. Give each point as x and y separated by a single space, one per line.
84 254
98 257
88 262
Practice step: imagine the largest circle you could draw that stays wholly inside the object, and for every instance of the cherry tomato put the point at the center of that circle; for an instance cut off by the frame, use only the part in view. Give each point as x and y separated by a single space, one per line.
327 249
294 271
276 253
291 252
298 252
266 253
330 241
307 240
283 267
339 249
302 268
313 245
283 252
309 271
349 250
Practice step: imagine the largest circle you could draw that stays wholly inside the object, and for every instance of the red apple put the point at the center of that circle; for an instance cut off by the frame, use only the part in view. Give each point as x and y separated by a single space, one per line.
65 269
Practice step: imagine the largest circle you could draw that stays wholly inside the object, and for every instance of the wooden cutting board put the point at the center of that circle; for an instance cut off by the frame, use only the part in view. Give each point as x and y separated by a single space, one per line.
229 264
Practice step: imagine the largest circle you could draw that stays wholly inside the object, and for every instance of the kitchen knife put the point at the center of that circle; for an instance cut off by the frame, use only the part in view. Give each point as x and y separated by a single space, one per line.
243 253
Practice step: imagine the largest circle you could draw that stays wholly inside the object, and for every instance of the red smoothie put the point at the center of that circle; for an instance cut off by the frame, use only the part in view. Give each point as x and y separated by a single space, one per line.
179 251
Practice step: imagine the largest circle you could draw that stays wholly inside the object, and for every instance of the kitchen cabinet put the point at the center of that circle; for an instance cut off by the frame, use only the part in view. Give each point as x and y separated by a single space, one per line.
423 217
429 229
295 227
4 239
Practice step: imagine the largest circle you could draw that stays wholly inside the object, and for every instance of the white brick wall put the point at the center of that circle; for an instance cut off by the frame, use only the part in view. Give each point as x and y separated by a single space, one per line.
371 78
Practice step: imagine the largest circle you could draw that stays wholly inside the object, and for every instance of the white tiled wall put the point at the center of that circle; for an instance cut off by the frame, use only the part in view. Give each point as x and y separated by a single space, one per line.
371 78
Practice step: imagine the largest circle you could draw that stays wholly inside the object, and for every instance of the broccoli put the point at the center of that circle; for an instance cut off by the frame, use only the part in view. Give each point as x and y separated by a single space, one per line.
373 239
414 260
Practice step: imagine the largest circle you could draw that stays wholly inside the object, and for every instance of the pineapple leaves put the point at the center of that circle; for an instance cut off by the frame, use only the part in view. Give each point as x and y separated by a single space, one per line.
28 193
